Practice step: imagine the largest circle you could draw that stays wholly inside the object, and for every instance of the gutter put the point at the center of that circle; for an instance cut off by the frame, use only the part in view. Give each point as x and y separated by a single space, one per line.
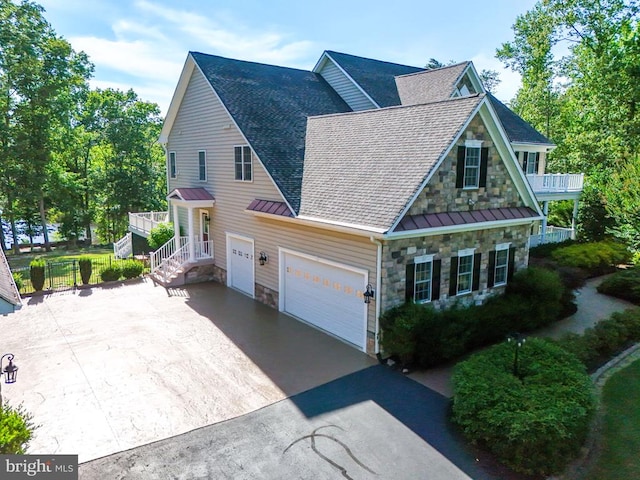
379 290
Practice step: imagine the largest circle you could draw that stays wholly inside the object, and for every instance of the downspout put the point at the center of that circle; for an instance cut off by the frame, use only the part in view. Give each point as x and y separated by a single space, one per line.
379 294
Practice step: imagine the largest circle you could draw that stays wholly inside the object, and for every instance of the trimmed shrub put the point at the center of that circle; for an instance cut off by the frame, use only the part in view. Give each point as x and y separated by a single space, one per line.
160 235
597 257
624 284
597 345
535 422
36 272
546 249
15 430
422 336
17 278
131 268
111 273
86 267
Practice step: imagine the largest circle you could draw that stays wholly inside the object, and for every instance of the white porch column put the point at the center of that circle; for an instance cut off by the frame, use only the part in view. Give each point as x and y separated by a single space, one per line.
176 225
192 246
574 219
545 211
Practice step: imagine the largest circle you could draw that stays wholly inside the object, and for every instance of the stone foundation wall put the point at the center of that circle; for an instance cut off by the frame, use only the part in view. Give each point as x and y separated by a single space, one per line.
199 273
397 254
267 296
219 275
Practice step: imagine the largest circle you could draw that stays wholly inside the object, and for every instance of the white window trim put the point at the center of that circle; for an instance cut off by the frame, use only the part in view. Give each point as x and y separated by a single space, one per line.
473 143
477 145
206 174
501 247
243 163
419 261
175 165
528 154
467 252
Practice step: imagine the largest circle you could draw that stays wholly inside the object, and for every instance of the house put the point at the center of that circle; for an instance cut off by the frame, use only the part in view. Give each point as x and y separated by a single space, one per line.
9 295
337 193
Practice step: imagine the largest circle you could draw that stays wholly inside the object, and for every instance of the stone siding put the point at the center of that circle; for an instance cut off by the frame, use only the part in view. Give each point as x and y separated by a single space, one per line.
442 195
267 296
200 273
398 253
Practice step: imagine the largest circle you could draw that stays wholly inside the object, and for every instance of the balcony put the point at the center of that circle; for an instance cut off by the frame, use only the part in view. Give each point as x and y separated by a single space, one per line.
556 186
142 223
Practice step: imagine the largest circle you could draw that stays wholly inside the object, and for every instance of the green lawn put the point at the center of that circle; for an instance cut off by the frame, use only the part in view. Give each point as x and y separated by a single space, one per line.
620 457
23 259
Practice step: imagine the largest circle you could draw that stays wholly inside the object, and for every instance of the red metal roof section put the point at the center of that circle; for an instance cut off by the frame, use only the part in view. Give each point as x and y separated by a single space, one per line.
267 206
191 194
447 219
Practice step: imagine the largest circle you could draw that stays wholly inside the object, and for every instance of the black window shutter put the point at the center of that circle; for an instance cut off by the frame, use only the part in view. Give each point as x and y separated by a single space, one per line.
453 277
525 155
435 280
408 293
512 263
476 271
484 161
460 167
492 269
537 161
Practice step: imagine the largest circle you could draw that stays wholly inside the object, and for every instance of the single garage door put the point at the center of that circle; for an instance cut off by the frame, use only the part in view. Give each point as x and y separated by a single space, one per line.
240 264
327 295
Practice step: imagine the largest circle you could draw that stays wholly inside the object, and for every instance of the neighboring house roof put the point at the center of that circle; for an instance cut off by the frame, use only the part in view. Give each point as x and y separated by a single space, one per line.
430 85
448 219
268 206
375 77
363 168
8 290
270 105
515 127
191 194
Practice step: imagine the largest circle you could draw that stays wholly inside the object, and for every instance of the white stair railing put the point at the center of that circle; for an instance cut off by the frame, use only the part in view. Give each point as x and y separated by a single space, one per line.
173 263
123 248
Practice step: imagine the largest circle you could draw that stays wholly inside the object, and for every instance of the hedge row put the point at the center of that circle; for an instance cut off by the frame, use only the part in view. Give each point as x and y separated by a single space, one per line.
127 269
624 284
596 257
422 336
597 345
535 422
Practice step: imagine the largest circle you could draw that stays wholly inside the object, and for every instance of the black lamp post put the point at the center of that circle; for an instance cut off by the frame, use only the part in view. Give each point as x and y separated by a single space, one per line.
10 372
518 340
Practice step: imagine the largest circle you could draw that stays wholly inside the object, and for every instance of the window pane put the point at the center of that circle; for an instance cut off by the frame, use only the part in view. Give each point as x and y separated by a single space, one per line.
502 260
471 167
465 268
247 163
238 171
172 164
531 163
422 290
238 162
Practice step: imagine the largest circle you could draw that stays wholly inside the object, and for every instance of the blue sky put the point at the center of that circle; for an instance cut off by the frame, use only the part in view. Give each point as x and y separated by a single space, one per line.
142 44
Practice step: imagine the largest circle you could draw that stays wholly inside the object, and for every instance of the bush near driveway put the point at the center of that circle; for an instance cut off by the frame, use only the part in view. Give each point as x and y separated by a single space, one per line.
131 268
421 336
36 269
623 284
15 430
111 274
535 423
160 234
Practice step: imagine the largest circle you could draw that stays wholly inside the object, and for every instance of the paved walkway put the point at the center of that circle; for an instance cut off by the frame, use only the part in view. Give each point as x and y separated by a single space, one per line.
592 307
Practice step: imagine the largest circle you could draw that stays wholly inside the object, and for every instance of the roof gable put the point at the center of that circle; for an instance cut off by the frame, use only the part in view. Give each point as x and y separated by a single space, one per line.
430 85
375 77
377 159
8 290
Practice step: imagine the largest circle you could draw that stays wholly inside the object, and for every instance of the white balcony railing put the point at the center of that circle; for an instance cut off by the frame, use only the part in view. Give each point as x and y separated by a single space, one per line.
556 182
142 222
552 235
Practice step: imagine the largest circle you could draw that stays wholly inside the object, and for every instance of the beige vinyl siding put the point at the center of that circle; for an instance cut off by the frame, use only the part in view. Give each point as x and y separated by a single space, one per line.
202 123
345 87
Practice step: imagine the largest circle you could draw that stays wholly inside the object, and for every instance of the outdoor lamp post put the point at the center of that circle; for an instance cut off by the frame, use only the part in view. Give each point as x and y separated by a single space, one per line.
10 372
518 340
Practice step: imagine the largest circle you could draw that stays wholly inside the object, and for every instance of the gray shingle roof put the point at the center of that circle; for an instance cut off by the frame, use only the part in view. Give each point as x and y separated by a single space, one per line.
515 127
271 104
363 168
429 85
375 77
8 290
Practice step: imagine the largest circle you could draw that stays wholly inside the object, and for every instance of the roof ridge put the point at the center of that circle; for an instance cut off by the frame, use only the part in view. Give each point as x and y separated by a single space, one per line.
370 59
398 107
236 60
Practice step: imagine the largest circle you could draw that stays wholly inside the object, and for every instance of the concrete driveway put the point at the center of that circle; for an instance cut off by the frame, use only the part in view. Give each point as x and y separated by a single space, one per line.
107 369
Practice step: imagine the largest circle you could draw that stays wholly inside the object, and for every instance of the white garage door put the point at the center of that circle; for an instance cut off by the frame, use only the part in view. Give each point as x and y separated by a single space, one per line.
240 264
326 295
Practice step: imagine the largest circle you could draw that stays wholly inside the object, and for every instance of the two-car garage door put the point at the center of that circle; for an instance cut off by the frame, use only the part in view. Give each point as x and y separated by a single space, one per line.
325 294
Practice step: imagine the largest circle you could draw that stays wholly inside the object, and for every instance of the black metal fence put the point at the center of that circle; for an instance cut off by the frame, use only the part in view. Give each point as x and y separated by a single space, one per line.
65 274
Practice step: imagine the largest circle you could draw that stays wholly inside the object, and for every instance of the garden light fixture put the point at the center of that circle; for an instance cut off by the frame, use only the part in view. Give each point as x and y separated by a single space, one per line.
10 372
518 340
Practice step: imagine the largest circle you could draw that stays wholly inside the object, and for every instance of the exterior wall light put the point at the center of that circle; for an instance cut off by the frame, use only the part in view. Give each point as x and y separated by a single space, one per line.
10 372
264 258
369 293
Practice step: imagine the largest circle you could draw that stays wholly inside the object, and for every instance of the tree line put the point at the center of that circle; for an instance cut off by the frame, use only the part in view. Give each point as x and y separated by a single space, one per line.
69 154
580 67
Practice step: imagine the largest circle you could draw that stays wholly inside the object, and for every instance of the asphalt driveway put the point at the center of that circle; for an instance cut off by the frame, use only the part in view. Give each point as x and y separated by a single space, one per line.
107 369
